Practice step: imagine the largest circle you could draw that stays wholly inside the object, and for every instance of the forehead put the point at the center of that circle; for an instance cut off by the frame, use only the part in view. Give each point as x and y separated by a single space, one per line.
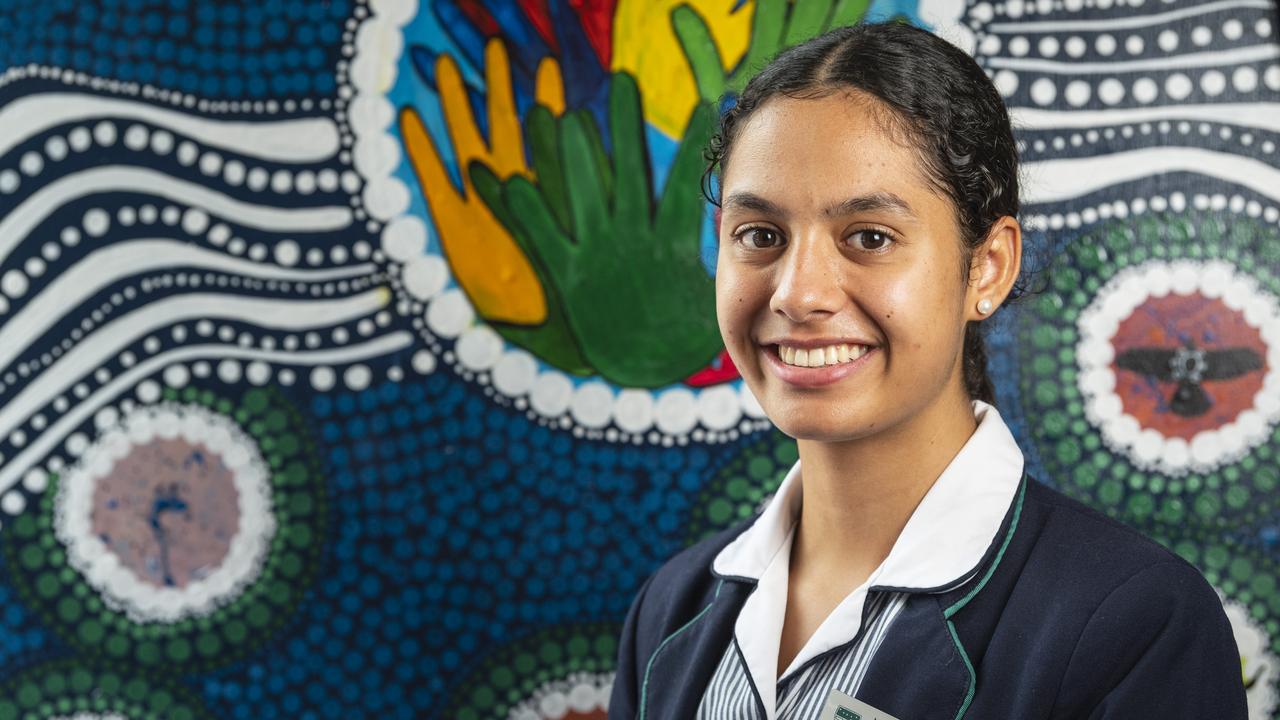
814 149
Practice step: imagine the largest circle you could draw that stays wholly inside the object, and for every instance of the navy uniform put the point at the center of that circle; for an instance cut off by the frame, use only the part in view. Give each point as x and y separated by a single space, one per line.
1001 598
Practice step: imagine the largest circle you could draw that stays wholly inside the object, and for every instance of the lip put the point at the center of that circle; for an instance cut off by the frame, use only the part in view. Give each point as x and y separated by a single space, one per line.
812 377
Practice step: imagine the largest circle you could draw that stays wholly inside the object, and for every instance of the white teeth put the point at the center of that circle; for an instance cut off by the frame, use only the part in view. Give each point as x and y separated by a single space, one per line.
818 357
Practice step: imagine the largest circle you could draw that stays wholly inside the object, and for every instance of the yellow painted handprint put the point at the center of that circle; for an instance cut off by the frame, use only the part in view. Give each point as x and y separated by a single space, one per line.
488 265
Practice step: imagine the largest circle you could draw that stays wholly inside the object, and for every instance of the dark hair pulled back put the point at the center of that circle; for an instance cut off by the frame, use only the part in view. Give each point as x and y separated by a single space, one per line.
940 99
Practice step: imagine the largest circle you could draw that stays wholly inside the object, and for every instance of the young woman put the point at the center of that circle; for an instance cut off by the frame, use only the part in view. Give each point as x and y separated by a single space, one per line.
906 567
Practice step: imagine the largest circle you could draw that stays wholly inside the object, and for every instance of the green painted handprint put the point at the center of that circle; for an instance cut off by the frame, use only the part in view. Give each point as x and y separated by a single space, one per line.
636 294
776 26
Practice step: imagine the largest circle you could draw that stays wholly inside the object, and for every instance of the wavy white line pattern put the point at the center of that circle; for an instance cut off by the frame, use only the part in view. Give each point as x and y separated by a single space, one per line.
1127 23
13 469
301 140
19 223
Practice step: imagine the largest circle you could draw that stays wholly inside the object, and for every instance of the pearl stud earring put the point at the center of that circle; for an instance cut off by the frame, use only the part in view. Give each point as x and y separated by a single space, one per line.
984 306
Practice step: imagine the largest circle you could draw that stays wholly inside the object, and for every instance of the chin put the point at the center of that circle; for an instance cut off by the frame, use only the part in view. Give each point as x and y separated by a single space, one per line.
805 424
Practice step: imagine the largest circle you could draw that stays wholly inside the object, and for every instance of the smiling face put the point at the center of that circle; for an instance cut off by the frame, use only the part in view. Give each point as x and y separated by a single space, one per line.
840 285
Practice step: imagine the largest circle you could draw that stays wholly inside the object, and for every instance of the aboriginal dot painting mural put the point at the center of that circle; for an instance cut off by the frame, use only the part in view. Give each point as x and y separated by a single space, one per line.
358 357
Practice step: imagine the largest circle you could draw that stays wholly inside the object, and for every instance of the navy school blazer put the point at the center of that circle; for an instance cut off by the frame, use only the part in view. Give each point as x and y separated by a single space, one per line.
1069 615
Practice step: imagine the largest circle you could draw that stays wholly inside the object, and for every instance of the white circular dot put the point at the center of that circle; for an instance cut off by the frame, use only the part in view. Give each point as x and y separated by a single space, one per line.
1232 29
592 405
233 172
13 502
676 411
136 137
287 253
514 372
1105 44
551 394
424 276
1145 90
1134 45
1077 93
1272 77
450 313
36 480
79 139
1244 79
188 153
1006 82
1048 46
1075 46
282 181
211 163
229 371
323 378
479 348
96 222
1167 40
719 407
56 148
31 163
633 410
1043 91
1177 86
423 362
404 238
1111 91
1201 35
148 391
1019 46
1213 83
258 372
9 181
357 377
162 142
14 283
177 376
257 178
195 221
104 133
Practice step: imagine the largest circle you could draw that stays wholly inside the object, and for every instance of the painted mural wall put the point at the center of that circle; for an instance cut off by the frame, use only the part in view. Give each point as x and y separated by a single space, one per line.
358 358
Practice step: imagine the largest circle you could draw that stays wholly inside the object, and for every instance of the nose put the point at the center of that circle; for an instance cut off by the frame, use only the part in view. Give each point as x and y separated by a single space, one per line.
809 286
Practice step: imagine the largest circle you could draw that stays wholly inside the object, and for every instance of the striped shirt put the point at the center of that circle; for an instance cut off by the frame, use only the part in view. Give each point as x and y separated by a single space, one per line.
801 695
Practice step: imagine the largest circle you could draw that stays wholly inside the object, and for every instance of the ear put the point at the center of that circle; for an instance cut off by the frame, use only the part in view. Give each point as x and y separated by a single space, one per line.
995 266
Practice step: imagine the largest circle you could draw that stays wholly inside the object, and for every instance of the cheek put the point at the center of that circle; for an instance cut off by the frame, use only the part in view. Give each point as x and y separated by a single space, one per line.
919 308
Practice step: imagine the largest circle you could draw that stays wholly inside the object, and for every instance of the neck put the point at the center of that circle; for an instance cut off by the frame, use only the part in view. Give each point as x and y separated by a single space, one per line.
859 494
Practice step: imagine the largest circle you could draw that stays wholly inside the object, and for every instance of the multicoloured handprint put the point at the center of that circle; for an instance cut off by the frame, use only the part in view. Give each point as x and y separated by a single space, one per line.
636 295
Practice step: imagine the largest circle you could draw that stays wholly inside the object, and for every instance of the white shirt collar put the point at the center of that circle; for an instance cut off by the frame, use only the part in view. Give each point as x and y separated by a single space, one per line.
941 545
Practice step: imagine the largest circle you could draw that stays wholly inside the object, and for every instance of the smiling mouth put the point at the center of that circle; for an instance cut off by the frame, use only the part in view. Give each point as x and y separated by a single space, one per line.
821 356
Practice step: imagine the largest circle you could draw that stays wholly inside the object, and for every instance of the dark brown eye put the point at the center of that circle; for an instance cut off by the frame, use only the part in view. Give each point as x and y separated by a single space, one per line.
759 237
871 240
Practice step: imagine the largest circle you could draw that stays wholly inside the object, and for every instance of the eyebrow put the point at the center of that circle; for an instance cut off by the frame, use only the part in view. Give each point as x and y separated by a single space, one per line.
862 203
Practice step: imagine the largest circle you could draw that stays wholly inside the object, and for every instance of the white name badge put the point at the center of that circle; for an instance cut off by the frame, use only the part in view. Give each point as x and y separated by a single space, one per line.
842 707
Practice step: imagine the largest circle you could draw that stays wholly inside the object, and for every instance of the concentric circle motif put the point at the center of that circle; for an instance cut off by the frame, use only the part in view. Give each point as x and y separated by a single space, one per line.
1180 364
169 514
743 486
562 673
72 691
194 468
1149 364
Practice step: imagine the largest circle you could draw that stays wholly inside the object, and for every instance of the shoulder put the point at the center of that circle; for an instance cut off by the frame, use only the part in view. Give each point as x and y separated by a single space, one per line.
1091 613
1071 538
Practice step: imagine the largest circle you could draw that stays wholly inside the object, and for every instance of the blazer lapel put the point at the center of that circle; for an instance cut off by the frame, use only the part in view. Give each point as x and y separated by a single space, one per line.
681 670
918 673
